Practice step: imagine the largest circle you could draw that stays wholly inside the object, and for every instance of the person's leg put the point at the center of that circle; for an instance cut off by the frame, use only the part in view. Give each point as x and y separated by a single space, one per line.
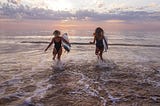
97 53
54 53
101 53
59 58
59 54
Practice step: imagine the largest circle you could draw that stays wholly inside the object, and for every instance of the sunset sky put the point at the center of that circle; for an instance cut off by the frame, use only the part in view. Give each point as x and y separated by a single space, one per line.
114 15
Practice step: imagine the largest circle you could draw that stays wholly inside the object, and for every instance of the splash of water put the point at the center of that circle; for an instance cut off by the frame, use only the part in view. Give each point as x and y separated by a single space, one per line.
113 99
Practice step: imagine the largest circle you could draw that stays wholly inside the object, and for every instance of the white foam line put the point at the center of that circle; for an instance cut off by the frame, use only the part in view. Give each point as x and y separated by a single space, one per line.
103 100
42 86
76 92
113 99
40 92
87 89
155 98
82 79
154 83
17 94
95 93
14 81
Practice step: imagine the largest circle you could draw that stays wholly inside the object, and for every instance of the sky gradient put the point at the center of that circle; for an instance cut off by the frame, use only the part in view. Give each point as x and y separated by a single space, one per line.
77 14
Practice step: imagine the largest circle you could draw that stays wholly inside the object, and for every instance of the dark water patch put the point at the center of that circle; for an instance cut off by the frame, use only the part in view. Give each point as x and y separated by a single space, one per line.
11 82
35 42
7 100
10 90
29 88
8 63
10 98
27 104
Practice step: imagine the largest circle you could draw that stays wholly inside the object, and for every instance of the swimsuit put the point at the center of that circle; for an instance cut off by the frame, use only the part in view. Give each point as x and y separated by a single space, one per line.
99 44
57 45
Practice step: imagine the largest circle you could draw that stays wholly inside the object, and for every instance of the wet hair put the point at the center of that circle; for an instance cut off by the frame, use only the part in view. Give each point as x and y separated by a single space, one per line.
56 33
99 31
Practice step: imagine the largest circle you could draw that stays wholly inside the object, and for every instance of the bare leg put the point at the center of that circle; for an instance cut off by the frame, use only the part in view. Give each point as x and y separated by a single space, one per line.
101 53
54 53
97 52
59 54
98 56
101 57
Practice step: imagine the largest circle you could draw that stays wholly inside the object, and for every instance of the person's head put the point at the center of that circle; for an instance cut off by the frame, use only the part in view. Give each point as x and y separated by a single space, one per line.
99 31
56 33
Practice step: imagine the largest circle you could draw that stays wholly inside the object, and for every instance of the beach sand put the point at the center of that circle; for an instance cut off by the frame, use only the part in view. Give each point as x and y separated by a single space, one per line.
129 77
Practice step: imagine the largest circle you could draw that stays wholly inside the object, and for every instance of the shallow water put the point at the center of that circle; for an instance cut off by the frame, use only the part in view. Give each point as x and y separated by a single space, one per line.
130 75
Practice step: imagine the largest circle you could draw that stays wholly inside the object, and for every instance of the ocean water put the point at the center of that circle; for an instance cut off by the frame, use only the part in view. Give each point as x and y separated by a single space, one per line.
130 75
133 44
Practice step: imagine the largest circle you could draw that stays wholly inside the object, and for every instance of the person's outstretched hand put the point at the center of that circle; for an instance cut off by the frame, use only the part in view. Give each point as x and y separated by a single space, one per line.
45 50
91 42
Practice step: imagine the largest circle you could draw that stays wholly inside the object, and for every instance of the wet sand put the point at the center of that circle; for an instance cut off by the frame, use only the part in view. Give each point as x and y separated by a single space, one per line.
129 77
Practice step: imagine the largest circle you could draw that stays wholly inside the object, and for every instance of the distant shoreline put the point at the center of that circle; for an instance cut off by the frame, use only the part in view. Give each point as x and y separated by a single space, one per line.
114 44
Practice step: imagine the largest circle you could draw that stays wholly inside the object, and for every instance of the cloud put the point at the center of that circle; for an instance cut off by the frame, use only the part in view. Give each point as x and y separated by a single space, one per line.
14 1
26 12
121 15
100 3
153 5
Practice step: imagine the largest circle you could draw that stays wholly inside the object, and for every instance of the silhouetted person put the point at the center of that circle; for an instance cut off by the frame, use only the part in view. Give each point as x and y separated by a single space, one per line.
57 40
98 39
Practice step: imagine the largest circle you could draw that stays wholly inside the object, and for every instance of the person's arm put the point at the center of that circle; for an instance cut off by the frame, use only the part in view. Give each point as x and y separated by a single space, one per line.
49 44
94 40
66 41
